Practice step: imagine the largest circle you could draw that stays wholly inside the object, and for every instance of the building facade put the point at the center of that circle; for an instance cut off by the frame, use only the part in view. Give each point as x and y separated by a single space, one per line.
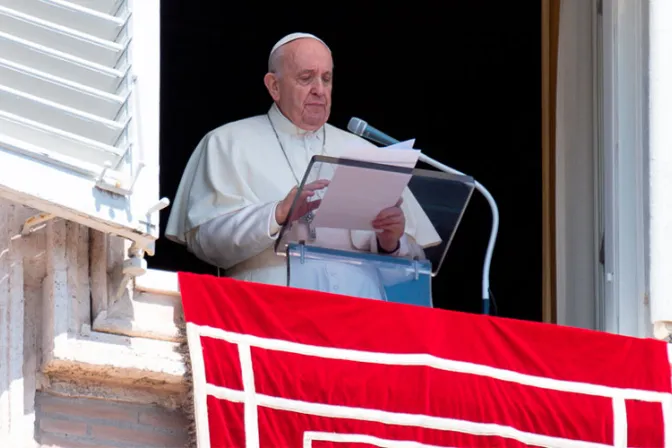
89 337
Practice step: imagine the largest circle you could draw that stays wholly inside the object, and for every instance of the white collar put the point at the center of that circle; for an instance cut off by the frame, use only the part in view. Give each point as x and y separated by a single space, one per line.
285 126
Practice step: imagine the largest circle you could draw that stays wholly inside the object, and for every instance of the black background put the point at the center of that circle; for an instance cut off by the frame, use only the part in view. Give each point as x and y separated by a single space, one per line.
463 78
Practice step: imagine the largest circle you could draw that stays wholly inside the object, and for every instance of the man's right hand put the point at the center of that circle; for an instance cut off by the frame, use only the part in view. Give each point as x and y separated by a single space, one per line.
303 206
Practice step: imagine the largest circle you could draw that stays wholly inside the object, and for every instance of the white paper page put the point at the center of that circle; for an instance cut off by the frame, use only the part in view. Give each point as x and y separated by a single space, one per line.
355 195
408 144
403 155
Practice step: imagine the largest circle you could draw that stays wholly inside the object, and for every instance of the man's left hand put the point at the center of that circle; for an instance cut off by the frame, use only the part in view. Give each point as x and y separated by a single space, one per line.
392 222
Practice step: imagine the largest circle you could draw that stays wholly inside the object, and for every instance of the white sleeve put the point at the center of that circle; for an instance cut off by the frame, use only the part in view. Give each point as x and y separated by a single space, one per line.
230 239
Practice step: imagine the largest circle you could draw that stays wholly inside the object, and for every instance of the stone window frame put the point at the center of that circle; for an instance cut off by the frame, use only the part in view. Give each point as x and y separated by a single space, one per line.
88 334
146 306
48 276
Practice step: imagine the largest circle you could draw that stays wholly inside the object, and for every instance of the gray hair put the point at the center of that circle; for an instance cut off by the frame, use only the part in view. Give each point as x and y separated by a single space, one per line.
275 61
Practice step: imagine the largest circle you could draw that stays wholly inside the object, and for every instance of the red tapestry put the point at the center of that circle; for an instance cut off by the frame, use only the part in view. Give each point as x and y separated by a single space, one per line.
281 367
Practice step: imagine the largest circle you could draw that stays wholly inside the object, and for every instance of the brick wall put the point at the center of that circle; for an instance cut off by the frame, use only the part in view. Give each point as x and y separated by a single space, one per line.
77 422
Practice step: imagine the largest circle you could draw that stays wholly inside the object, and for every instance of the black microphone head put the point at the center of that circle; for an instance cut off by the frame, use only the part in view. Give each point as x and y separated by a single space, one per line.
357 126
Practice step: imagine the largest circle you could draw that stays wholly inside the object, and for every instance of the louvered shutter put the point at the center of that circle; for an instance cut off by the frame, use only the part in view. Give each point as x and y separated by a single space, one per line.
79 111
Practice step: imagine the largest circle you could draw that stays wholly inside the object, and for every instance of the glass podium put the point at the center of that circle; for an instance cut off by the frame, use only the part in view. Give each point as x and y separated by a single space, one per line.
337 251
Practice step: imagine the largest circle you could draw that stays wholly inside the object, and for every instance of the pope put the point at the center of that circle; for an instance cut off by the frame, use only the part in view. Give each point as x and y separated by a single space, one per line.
242 178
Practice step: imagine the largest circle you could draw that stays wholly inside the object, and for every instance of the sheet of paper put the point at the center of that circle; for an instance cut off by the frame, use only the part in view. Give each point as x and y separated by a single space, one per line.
408 144
404 154
355 195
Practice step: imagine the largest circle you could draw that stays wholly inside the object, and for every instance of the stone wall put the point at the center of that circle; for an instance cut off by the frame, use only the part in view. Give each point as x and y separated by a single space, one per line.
23 268
63 422
62 382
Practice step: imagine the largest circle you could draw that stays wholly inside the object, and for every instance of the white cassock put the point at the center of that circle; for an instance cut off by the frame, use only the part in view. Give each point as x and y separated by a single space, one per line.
224 209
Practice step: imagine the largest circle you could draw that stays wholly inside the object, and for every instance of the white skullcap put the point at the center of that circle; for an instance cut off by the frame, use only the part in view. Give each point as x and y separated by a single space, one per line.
290 37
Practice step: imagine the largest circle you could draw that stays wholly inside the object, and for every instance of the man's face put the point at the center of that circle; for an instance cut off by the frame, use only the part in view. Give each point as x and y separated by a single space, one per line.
303 87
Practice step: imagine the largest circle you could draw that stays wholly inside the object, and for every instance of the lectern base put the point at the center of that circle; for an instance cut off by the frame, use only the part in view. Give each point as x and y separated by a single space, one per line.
364 275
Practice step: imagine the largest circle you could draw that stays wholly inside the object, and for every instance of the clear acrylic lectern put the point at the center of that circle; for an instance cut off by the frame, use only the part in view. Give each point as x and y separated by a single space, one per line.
325 254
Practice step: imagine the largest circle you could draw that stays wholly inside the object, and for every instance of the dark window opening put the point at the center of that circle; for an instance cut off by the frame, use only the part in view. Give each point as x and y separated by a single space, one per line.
464 79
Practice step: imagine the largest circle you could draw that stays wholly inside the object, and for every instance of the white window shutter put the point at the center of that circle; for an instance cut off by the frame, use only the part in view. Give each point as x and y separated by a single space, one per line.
79 112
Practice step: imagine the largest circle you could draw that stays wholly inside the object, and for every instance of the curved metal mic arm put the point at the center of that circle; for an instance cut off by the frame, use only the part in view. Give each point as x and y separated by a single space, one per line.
485 285
359 127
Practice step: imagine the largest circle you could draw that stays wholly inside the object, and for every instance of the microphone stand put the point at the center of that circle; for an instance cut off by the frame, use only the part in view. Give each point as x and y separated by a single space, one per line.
485 283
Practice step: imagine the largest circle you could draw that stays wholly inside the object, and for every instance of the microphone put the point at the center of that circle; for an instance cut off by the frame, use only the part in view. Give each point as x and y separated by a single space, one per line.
361 128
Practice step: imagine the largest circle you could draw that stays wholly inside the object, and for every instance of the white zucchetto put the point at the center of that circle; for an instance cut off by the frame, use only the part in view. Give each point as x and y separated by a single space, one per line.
291 37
